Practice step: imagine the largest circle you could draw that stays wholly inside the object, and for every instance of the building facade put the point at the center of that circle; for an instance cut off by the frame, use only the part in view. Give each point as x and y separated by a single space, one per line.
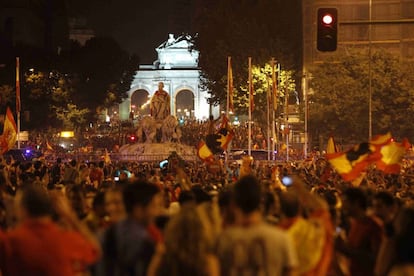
391 29
177 68
395 32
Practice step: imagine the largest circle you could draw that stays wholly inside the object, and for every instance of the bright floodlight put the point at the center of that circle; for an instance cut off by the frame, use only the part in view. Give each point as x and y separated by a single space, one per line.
327 19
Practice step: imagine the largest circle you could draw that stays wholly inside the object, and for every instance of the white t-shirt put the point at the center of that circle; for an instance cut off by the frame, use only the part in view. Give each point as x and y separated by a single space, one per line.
256 250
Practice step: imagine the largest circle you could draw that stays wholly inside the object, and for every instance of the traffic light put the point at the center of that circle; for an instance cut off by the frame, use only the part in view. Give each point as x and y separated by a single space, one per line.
132 138
327 29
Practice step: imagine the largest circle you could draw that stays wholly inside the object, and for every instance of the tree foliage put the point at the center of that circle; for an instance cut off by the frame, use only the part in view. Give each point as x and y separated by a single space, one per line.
339 104
66 89
243 28
262 86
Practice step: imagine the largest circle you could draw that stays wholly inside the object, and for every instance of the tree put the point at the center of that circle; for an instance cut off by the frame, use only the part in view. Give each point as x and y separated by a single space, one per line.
101 71
339 102
244 28
262 82
78 80
7 96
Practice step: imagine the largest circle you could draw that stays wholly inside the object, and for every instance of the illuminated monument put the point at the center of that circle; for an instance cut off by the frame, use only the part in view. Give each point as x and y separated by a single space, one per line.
177 68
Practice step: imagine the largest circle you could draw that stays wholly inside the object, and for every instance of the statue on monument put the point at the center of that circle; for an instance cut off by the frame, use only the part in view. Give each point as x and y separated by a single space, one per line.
160 103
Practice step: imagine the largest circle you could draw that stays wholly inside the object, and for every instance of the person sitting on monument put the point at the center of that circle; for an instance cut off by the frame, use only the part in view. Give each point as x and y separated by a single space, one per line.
160 103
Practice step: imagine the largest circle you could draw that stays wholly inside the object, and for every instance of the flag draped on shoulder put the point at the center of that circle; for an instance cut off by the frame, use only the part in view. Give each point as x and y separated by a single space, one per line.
9 132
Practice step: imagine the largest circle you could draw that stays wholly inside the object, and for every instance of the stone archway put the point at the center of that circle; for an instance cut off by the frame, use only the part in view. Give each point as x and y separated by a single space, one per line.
140 103
184 105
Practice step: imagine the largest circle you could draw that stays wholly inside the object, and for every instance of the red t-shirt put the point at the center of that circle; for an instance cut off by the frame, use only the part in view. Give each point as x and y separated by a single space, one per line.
96 174
43 248
364 235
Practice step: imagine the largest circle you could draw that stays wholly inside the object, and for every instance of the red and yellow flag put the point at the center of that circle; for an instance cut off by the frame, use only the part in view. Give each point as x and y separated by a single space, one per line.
204 153
391 156
331 146
380 150
251 90
226 133
230 84
9 132
49 146
352 163
17 85
274 87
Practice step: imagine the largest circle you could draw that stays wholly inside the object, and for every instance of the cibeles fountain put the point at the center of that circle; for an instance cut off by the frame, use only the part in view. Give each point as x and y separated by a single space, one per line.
158 132
158 135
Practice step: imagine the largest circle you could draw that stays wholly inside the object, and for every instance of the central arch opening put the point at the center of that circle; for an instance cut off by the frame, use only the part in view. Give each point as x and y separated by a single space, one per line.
140 100
184 105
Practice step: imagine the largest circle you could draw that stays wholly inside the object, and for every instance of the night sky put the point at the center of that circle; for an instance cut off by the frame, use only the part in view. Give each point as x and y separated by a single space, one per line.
139 26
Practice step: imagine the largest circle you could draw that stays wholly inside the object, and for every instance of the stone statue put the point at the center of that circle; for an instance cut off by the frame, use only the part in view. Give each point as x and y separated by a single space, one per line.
160 103
148 127
168 128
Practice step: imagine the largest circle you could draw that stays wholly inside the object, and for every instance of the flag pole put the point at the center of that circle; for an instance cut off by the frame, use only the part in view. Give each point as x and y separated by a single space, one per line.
18 100
229 87
274 105
250 107
268 119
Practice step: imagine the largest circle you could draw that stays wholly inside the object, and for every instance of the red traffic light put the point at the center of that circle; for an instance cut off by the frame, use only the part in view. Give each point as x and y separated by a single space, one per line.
327 32
327 19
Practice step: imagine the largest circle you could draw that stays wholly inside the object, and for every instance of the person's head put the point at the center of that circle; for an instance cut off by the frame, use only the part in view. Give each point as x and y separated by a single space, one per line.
143 201
98 204
289 204
160 85
404 240
114 206
247 194
123 176
72 163
33 201
384 206
355 202
186 197
187 238
76 196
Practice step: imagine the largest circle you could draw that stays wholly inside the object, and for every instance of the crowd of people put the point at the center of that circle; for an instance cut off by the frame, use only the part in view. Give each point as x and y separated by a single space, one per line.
77 218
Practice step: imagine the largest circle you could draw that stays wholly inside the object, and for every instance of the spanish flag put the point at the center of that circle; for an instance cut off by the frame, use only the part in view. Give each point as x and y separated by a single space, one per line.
251 89
275 95
49 146
331 146
204 153
230 84
226 133
9 132
352 163
391 156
